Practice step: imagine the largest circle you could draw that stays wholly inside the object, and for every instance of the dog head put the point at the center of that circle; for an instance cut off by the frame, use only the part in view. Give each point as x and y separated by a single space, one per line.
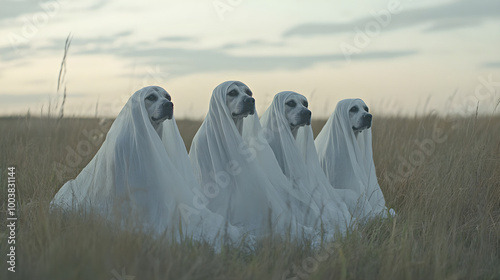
296 111
359 117
159 106
239 100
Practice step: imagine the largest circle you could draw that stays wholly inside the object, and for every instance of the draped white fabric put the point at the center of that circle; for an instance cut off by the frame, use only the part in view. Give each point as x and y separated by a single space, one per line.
240 177
299 162
347 160
138 174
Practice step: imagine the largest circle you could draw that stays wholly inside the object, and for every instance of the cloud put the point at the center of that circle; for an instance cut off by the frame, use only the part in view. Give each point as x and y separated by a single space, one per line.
108 39
20 98
15 8
178 61
444 25
494 64
9 53
79 42
443 17
252 43
98 4
177 39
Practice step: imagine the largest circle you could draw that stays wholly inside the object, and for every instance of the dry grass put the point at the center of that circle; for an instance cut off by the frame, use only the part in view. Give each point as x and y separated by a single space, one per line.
448 204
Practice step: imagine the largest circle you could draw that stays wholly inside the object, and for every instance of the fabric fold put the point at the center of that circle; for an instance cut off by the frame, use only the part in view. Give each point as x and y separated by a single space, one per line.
347 160
298 160
143 175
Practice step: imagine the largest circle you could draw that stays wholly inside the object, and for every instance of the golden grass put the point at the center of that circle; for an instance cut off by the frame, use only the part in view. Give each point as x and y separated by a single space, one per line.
448 205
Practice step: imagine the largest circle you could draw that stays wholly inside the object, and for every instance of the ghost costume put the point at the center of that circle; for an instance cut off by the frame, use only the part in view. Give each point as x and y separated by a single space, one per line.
144 175
347 160
239 175
298 159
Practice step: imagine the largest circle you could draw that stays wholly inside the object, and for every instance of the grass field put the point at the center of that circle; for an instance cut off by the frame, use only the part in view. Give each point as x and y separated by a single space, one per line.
442 176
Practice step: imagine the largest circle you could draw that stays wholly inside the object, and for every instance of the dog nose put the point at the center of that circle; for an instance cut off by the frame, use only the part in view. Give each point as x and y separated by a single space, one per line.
250 100
368 117
168 105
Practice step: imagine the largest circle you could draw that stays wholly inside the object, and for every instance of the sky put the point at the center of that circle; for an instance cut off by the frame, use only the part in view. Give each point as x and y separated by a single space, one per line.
401 57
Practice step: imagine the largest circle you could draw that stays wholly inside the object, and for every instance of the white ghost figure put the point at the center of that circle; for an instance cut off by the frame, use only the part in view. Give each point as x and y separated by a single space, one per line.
290 136
344 148
239 175
143 174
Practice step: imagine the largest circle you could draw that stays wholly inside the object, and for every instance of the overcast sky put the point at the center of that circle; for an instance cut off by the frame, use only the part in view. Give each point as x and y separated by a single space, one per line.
396 55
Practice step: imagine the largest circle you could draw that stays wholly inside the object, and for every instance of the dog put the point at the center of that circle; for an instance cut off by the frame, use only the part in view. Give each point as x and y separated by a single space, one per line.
240 103
297 113
159 106
359 117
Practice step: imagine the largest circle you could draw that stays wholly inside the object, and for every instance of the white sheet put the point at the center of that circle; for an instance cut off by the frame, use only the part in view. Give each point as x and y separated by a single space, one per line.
299 162
348 161
239 174
138 175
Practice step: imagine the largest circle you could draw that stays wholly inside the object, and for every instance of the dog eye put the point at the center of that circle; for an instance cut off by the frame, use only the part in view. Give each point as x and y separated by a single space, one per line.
354 109
232 93
305 104
291 103
248 92
152 97
366 109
